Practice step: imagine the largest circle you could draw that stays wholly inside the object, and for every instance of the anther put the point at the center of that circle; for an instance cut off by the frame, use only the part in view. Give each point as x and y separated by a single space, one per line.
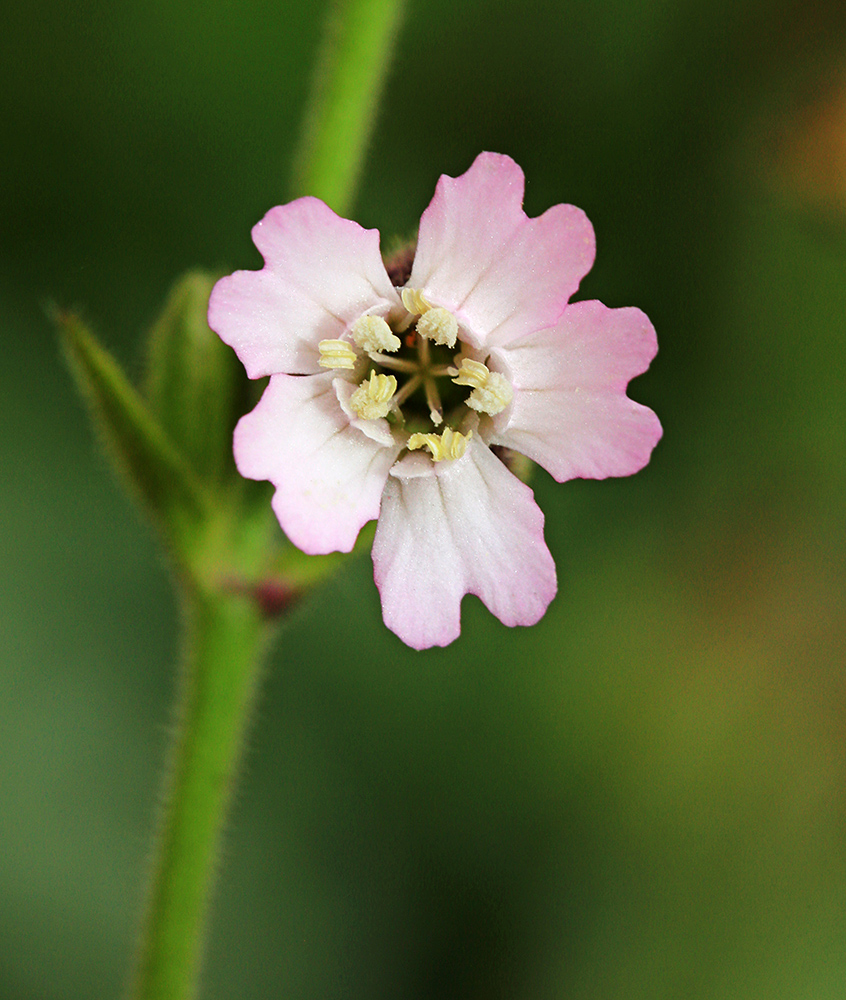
336 354
414 301
438 325
372 333
492 391
373 398
449 445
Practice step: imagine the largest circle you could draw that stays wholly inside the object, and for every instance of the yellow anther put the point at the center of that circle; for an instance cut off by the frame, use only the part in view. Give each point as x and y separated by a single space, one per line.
372 399
472 373
449 445
435 324
336 354
414 301
492 391
372 333
438 325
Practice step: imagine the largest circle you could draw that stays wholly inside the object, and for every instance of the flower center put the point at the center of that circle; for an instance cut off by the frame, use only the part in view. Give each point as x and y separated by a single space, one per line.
432 375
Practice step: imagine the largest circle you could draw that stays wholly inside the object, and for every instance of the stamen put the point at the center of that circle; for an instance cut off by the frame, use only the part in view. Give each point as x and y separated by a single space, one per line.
372 399
449 445
492 391
438 325
414 301
336 354
372 333
472 373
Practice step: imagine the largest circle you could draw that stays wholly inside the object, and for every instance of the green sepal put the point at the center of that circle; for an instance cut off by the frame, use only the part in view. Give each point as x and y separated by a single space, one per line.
194 381
148 461
220 528
305 572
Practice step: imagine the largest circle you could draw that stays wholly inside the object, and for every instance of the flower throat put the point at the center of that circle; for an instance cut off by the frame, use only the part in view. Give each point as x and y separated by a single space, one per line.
410 373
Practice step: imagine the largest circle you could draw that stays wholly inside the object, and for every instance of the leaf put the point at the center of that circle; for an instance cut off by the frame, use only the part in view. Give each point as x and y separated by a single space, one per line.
152 467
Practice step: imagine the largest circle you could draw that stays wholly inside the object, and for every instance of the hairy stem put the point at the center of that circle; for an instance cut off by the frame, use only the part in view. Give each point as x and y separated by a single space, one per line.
350 75
225 639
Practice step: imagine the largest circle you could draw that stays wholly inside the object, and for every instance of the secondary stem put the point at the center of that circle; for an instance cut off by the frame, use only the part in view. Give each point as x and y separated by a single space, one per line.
225 638
350 74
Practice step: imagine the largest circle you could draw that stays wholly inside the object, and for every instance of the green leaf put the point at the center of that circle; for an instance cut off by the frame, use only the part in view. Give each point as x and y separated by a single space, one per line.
153 468
194 381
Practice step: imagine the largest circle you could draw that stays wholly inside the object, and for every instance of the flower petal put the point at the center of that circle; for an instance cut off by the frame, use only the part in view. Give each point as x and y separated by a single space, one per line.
570 411
328 476
480 256
321 273
455 528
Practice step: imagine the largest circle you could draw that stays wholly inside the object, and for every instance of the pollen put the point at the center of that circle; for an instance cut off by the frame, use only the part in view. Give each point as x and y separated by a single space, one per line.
372 399
447 446
439 326
492 391
336 354
372 333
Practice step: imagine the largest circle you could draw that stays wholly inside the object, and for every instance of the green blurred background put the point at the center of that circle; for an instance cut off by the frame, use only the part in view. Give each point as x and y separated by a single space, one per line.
644 795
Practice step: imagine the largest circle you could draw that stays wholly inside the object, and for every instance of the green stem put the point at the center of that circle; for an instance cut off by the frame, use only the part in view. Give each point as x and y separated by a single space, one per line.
226 634
225 639
350 76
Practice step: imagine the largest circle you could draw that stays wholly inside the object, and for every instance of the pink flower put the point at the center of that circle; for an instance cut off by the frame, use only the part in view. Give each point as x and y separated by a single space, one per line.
386 402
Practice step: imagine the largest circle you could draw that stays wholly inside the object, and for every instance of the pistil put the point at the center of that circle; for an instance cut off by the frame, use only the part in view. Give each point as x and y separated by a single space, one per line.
433 401
397 364
409 387
379 395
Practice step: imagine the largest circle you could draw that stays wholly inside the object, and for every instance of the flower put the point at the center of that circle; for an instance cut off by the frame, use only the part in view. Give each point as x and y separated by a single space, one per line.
394 402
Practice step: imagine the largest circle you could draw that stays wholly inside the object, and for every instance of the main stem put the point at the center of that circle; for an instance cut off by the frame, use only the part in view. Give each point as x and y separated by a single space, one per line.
226 633
225 638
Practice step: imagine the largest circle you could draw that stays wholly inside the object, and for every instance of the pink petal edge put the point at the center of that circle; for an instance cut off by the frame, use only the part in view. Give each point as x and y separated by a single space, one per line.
478 254
462 527
321 273
328 476
570 411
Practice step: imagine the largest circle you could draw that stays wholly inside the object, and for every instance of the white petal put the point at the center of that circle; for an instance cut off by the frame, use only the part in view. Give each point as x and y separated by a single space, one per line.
328 475
321 273
481 257
570 411
455 528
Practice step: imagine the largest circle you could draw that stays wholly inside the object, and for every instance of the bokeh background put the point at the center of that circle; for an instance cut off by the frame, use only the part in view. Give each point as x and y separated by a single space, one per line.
644 795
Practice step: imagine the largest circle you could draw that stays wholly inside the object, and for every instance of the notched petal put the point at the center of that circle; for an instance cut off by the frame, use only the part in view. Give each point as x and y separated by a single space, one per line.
328 475
456 528
479 255
570 411
321 273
